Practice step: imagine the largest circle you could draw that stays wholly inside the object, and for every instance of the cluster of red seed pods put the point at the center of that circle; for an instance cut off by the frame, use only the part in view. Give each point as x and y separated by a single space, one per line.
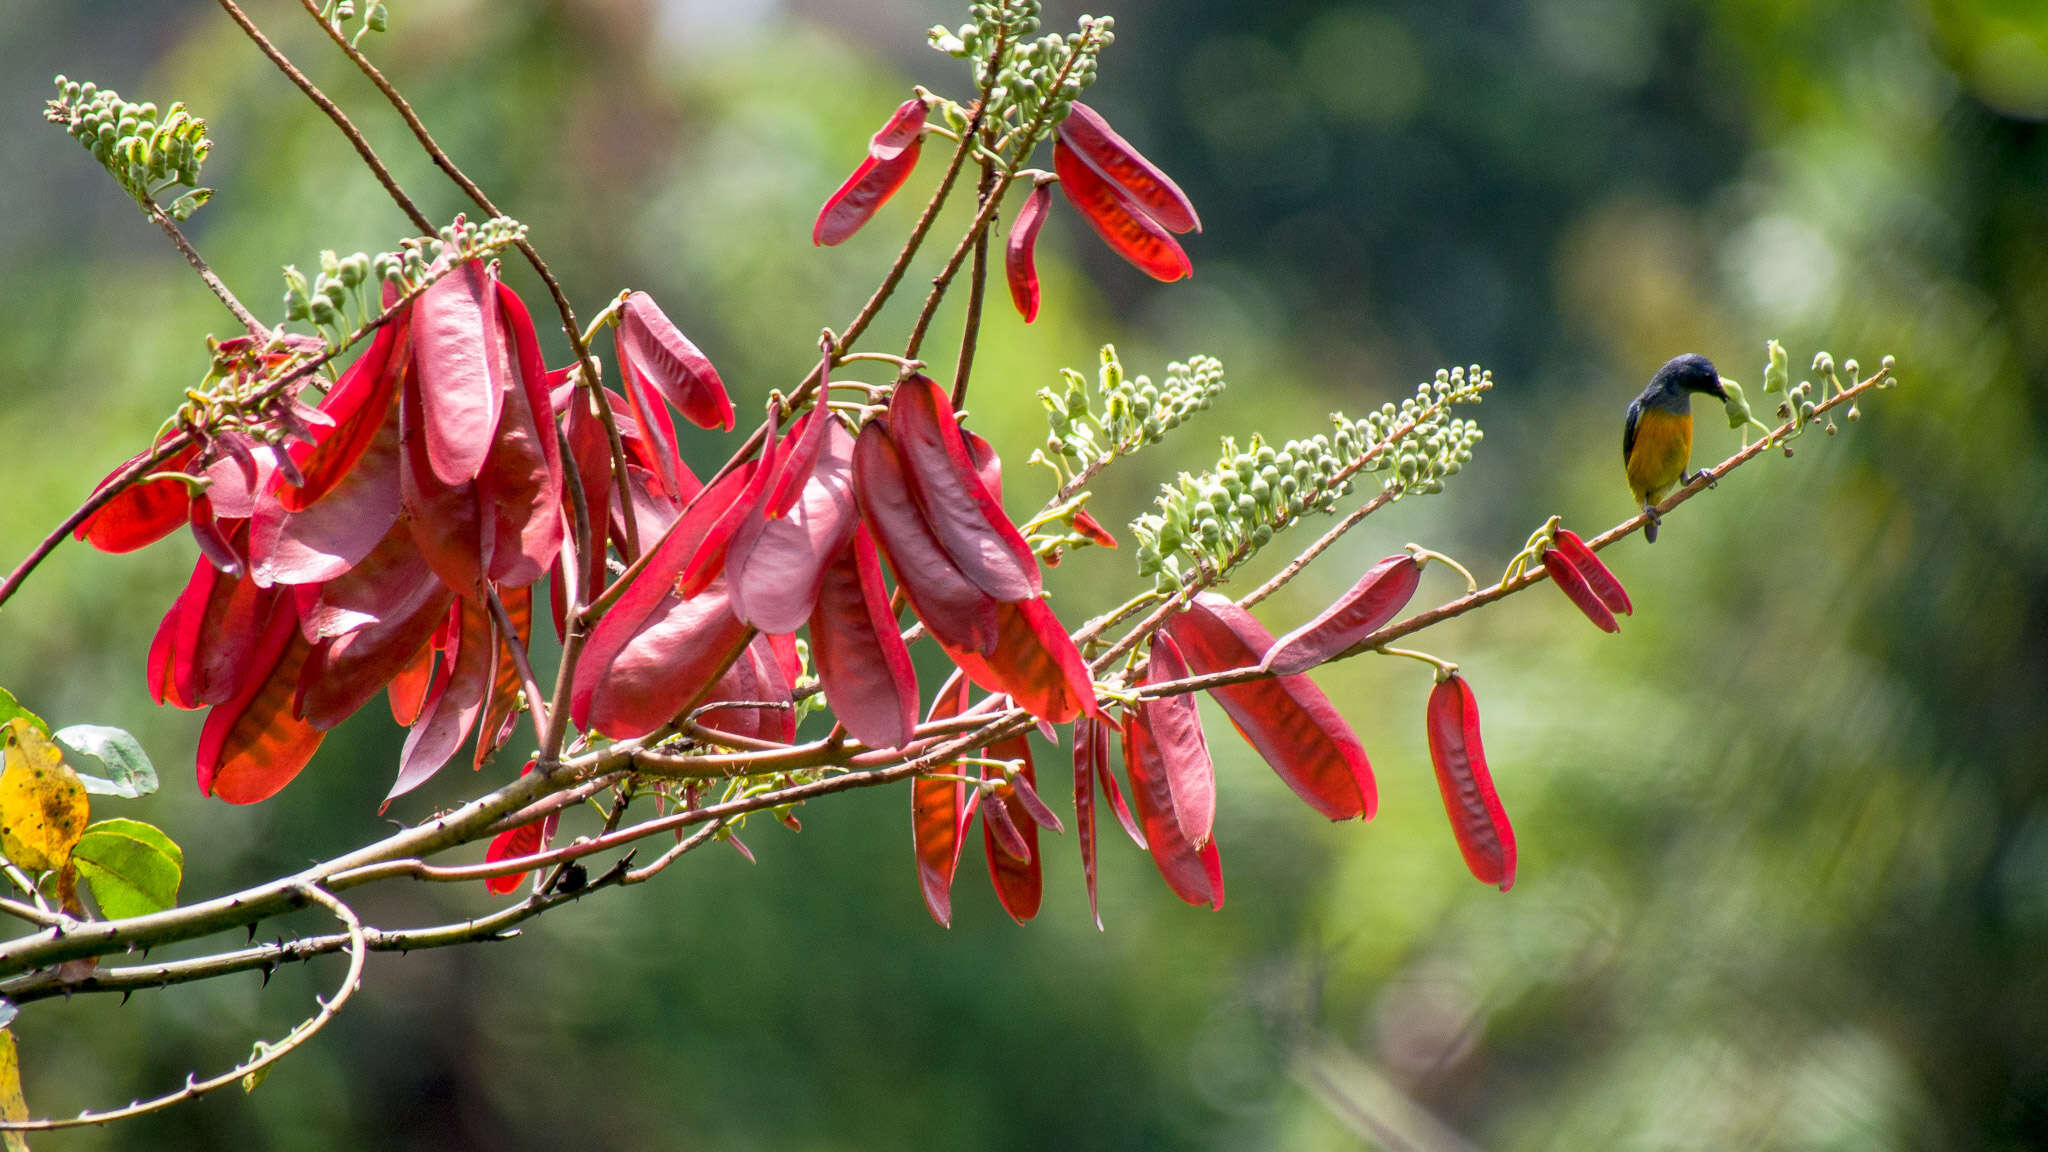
393 546
1585 581
1136 208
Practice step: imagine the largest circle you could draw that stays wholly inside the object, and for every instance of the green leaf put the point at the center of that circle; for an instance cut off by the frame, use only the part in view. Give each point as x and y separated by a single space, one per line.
10 708
93 749
132 867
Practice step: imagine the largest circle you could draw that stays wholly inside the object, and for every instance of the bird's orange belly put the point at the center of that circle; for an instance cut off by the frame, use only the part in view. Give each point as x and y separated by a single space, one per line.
1662 450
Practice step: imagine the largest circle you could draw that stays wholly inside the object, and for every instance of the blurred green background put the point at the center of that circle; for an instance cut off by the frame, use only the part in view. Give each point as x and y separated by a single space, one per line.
1784 848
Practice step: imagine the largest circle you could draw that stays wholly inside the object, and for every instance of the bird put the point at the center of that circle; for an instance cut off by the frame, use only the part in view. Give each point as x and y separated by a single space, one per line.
1656 442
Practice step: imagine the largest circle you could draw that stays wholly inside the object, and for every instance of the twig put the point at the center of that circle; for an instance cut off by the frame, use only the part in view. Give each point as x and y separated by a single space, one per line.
1321 545
334 113
683 847
114 487
977 287
31 912
517 647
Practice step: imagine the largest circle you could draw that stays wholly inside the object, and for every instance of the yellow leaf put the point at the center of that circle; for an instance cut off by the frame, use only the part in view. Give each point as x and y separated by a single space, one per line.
12 1106
43 806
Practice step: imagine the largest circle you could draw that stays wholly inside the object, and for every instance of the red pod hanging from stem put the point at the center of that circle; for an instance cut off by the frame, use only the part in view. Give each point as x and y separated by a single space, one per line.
937 814
1286 719
1572 583
1477 818
1110 155
1007 826
1598 576
892 154
1020 265
1379 594
1121 223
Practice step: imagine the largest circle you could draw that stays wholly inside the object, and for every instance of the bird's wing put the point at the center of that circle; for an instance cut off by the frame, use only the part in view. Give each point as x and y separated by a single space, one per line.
1628 430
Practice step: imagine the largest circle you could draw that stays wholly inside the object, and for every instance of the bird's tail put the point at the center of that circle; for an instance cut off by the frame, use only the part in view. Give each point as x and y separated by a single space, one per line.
1650 532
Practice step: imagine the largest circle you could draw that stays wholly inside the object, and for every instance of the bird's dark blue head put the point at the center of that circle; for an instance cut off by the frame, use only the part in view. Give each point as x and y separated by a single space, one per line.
1691 372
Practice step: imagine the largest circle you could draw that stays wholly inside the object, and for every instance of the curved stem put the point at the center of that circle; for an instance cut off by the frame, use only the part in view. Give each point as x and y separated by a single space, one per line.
266 1054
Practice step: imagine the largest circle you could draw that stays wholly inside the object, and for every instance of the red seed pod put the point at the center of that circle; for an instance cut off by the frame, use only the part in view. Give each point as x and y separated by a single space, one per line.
1572 583
1091 741
1019 264
455 702
966 517
776 564
892 154
1009 834
1090 136
1379 594
653 352
938 814
655 651
203 650
1121 224
143 513
252 745
360 402
1286 719
959 614
1188 870
860 656
525 840
461 359
1477 818
1602 580
1176 730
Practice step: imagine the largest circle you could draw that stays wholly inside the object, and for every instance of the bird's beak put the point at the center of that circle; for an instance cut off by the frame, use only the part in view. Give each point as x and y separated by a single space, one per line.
1719 392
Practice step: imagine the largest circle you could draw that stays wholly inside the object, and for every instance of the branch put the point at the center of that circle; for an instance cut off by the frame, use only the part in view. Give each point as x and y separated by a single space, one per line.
255 327
1536 575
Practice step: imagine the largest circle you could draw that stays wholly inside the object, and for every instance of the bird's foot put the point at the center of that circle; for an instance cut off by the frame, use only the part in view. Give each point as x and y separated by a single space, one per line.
1706 474
1655 518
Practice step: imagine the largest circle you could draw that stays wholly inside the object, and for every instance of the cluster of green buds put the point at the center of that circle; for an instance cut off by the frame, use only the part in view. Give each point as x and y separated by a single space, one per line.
1802 400
147 154
1220 519
343 296
1028 73
370 17
347 292
1133 412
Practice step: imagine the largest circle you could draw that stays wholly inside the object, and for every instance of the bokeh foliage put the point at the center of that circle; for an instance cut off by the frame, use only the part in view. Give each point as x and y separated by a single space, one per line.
1784 851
